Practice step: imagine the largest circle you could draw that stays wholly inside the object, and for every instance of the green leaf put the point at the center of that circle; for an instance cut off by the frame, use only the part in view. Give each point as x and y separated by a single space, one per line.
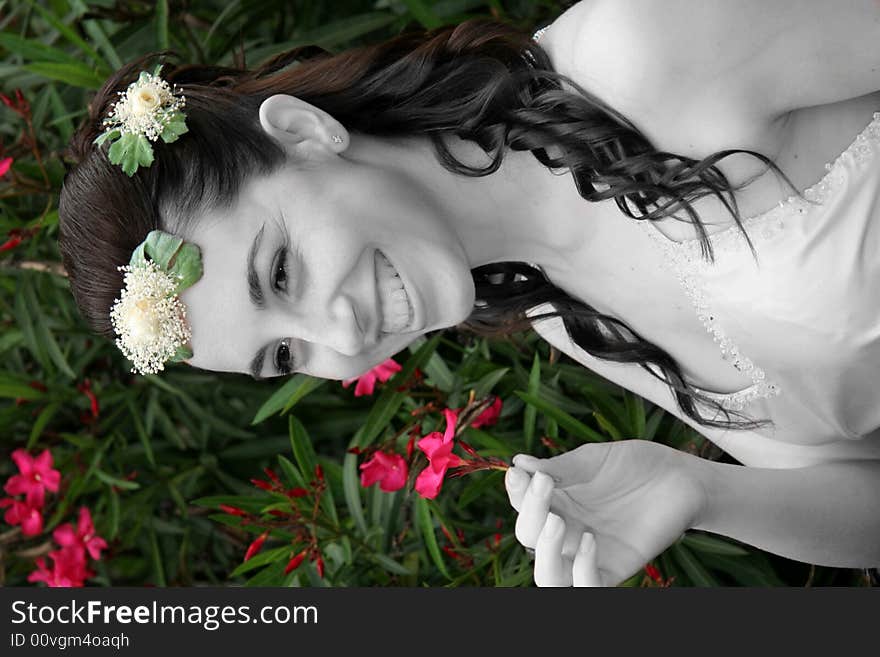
162 25
40 423
174 128
294 477
261 559
390 564
159 247
713 544
635 410
99 37
331 34
114 481
131 151
250 503
480 487
301 445
182 260
653 423
352 491
743 569
485 385
293 390
11 389
76 75
113 529
607 425
439 373
11 338
66 31
272 575
33 50
530 414
44 335
187 267
426 526
107 134
692 566
183 353
158 567
423 13
565 420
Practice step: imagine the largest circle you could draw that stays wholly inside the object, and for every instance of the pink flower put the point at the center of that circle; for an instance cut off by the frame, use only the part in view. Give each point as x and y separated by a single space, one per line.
430 481
5 165
68 569
388 469
489 416
37 476
83 539
438 449
366 383
19 513
54 578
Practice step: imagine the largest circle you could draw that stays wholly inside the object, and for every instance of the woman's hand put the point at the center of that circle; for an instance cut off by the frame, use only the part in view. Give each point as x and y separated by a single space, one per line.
615 507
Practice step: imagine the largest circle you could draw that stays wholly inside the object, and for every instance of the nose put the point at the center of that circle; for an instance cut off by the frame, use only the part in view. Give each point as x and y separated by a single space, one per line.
332 324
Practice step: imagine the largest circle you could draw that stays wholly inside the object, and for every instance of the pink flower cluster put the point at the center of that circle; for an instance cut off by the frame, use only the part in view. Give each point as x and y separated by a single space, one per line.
391 471
35 477
70 564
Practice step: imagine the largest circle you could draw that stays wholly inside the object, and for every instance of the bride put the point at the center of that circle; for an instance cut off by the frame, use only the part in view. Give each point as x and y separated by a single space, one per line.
682 196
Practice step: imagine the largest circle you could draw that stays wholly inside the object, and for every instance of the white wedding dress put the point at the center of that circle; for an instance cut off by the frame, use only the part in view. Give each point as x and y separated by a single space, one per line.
803 321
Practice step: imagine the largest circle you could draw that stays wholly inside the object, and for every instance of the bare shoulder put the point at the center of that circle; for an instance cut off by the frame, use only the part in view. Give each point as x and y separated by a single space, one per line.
719 73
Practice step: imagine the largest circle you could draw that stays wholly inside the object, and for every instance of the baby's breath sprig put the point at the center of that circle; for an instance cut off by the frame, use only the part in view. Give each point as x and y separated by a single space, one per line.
149 318
147 110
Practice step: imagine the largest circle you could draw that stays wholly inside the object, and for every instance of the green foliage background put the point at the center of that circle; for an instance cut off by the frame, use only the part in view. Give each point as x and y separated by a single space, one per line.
166 450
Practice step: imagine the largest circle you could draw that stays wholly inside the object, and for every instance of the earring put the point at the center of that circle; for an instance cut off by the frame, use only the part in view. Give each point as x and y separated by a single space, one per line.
337 139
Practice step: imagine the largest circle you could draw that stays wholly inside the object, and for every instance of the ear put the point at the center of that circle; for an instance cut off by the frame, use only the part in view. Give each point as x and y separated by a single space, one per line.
303 129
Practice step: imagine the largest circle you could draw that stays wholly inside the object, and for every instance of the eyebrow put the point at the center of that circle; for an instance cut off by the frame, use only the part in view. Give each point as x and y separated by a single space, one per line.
255 291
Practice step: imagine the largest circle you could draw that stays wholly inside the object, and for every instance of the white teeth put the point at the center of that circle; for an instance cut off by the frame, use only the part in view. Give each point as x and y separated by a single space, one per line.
397 313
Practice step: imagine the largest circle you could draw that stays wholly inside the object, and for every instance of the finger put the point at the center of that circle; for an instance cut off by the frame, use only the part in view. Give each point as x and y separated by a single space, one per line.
575 467
533 509
585 569
516 481
552 568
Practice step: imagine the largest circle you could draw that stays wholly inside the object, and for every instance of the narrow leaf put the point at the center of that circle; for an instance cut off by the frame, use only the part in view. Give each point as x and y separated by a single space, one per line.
162 25
76 75
426 526
565 420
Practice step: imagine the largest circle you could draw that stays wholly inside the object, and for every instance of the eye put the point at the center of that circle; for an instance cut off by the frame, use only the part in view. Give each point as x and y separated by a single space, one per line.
283 361
279 271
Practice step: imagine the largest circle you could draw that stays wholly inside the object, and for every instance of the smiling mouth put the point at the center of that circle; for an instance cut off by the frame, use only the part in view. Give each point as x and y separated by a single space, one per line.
395 306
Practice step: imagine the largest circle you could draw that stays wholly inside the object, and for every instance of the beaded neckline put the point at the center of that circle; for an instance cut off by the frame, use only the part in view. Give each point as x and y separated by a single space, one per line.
686 261
767 222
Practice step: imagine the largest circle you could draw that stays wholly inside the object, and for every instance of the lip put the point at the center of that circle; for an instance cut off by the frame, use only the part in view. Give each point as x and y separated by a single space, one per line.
406 286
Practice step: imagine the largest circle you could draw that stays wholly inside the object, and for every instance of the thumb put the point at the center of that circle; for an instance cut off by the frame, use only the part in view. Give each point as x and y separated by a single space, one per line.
575 467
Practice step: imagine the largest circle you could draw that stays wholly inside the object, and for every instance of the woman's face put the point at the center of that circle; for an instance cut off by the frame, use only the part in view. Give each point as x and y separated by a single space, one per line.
326 268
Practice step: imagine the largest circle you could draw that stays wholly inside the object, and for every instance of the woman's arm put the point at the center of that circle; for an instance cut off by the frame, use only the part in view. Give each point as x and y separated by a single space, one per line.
817 504
748 60
825 514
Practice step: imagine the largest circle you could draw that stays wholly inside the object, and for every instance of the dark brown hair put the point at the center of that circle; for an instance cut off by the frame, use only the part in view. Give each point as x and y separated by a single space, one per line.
484 81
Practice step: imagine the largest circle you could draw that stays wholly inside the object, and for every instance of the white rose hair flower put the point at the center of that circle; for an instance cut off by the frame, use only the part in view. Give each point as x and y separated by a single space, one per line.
148 317
149 109
149 320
